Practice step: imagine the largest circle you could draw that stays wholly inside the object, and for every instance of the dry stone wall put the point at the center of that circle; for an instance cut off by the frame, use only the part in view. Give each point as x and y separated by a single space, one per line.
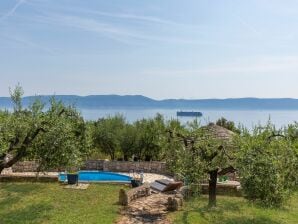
25 166
105 165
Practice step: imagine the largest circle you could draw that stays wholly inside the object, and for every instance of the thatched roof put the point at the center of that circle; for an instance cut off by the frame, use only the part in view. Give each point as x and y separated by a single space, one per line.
218 132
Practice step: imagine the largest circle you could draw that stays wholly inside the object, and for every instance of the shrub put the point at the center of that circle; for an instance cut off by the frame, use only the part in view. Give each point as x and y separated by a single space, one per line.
267 166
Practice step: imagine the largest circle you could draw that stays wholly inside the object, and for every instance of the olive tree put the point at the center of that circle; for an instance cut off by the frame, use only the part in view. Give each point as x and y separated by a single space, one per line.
151 137
204 152
267 163
52 136
107 133
128 141
64 143
144 138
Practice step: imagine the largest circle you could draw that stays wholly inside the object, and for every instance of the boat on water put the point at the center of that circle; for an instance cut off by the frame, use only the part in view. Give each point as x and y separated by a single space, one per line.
189 114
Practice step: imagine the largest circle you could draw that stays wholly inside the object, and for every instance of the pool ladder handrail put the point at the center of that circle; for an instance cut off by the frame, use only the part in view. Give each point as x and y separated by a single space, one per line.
134 174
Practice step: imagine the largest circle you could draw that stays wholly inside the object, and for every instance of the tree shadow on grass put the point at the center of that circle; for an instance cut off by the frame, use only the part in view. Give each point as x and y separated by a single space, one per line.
218 215
245 220
9 202
21 188
202 212
227 212
185 217
31 214
222 220
11 196
218 211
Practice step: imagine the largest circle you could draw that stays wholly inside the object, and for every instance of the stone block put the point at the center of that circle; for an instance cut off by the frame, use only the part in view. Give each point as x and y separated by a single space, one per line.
172 204
125 197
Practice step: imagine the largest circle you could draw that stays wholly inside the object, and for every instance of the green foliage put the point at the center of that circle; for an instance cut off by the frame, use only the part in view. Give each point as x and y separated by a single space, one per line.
63 144
117 138
267 164
230 125
55 136
182 157
128 141
151 136
201 152
107 134
193 152
214 152
187 165
16 97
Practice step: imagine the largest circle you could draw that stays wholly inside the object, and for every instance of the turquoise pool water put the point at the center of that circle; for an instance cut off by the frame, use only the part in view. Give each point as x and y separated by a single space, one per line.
98 176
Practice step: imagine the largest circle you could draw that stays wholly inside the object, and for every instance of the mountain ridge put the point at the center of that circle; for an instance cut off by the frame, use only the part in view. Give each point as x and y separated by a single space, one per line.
127 101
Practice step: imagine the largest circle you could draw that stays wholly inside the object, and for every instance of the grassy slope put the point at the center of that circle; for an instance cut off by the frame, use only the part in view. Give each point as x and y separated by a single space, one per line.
50 203
234 210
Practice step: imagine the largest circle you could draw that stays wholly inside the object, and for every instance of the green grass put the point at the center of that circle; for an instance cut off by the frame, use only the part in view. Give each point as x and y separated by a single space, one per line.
50 203
45 203
235 210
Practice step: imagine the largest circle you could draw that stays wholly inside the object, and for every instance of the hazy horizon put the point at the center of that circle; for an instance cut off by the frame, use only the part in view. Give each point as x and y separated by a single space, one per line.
195 49
248 97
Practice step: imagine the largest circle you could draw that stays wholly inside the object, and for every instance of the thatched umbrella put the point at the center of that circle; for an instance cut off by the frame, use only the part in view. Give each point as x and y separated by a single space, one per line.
218 132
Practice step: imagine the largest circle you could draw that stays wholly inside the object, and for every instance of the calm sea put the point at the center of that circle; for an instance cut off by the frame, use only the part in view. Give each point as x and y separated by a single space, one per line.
248 118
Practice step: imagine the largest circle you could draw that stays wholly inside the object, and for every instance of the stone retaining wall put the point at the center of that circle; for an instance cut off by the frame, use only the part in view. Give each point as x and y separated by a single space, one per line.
25 166
126 196
114 166
125 166
224 189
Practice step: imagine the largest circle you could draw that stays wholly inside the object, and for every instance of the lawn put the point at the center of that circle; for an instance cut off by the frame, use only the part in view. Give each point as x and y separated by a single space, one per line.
235 210
50 203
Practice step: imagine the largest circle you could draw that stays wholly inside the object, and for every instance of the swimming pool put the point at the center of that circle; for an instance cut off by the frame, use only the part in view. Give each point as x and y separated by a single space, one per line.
98 176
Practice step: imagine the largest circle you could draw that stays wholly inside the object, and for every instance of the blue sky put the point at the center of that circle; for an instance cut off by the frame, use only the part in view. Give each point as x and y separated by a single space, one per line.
158 48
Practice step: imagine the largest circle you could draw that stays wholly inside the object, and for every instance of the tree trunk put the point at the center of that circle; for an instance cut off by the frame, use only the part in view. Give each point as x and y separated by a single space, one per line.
212 188
112 156
147 158
4 164
1 169
7 162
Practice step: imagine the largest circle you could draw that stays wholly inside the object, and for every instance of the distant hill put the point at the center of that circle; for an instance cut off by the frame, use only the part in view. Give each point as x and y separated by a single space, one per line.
128 101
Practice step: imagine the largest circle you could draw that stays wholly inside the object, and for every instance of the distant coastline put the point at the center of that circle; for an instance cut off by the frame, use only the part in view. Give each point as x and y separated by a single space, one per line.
139 101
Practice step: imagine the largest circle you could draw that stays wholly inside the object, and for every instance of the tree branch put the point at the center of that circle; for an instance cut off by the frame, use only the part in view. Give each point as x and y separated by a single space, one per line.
61 112
275 135
226 170
225 152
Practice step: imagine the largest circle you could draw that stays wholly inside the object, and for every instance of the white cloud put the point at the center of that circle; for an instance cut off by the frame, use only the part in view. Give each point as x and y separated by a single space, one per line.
12 11
28 43
259 65
121 34
135 17
106 29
